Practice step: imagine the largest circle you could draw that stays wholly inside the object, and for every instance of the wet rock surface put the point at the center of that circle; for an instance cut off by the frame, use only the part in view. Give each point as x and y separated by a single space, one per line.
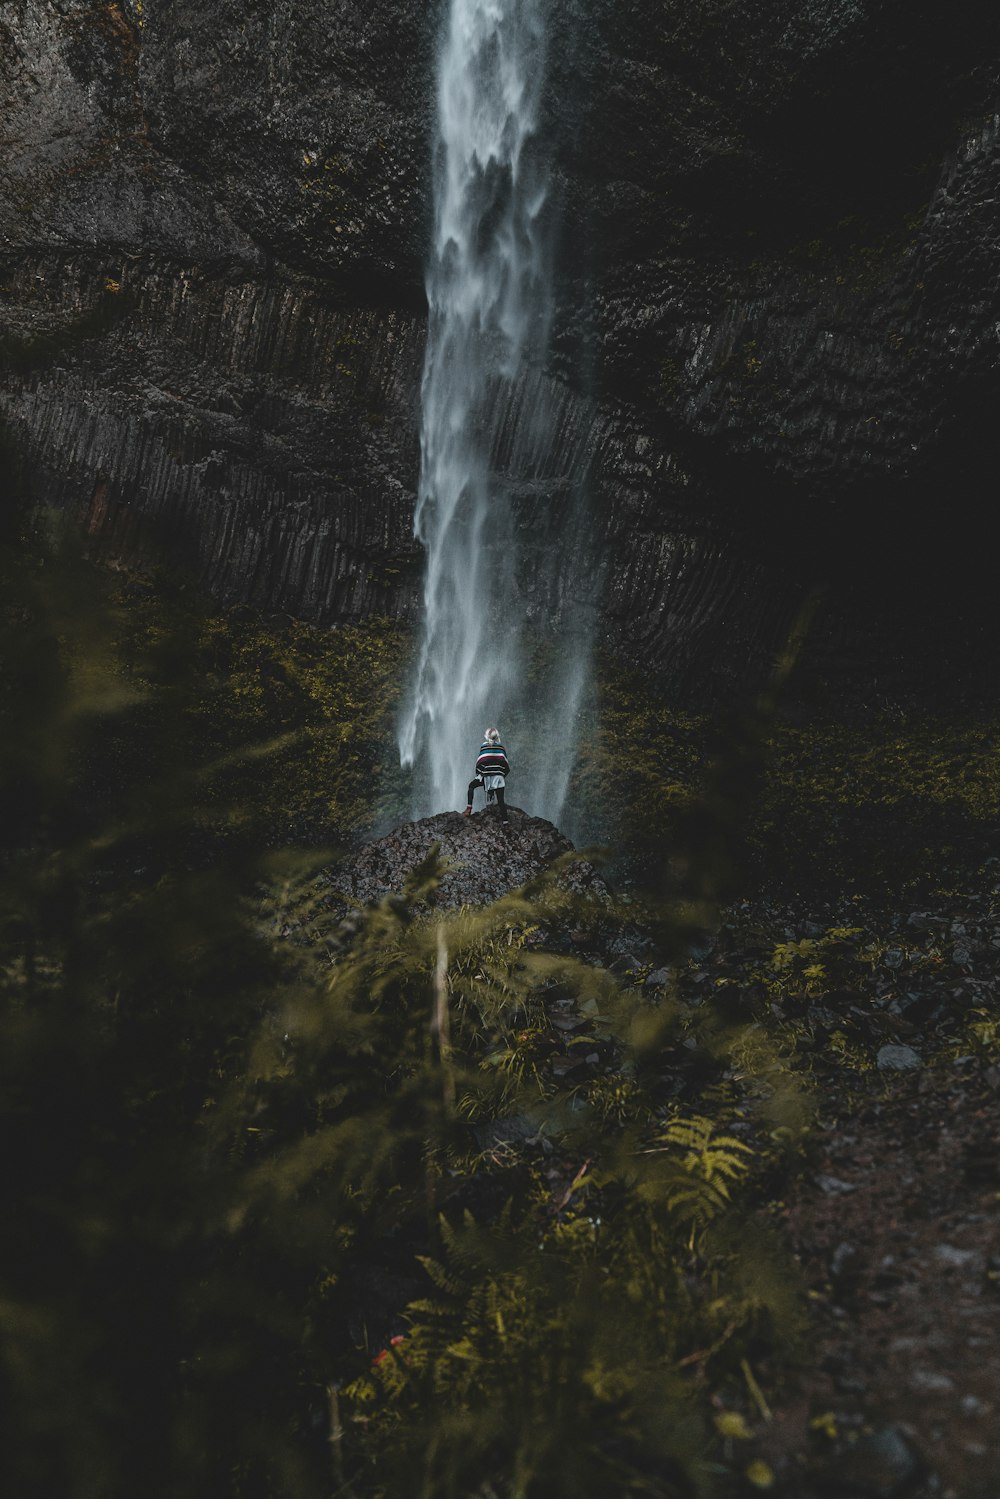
485 858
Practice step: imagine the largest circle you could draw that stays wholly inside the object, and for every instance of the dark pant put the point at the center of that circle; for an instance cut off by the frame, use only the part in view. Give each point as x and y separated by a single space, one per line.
498 793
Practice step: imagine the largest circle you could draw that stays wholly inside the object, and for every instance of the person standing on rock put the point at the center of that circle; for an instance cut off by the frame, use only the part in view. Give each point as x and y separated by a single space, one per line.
492 770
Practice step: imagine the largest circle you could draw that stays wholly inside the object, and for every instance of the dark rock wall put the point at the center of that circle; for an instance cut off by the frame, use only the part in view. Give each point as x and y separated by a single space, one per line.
793 213
775 355
252 429
803 288
253 408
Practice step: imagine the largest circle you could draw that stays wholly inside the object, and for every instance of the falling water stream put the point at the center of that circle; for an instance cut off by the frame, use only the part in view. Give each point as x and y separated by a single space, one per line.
490 298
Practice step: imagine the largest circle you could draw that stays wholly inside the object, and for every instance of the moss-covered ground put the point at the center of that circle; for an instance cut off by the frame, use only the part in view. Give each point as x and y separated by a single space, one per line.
505 1198
881 805
296 721
300 722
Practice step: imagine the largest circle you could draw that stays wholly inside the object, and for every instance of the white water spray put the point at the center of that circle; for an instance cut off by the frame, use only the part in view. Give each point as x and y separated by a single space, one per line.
489 296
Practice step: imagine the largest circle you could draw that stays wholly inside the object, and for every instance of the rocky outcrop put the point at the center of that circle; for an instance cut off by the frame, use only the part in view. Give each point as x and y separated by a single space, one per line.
484 859
774 358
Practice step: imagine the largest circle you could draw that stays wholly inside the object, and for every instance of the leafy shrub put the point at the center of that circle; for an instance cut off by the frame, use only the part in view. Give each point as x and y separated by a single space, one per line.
238 1163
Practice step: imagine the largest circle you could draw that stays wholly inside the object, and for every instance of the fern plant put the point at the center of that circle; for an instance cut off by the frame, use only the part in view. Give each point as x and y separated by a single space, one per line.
699 1167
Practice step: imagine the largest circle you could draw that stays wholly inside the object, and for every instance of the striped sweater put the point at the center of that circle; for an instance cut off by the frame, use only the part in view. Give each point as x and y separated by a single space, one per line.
492 760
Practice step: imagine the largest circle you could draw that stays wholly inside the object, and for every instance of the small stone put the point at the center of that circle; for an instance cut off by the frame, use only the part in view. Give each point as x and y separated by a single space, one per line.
850 1384
955 1259
893 958
842 1260
961 955
879 1466
627 963
973 1406
517 1127
658 978
929 1382
898 1059
833 1186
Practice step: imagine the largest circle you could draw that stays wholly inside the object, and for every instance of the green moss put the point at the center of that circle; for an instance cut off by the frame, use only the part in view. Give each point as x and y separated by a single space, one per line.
639 766
298 722
889 800
297 719
893 801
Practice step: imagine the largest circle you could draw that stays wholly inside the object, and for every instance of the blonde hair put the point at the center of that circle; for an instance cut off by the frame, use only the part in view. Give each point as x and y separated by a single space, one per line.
492 736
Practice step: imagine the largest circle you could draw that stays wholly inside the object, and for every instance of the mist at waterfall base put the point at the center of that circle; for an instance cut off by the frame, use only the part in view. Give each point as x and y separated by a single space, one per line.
489 656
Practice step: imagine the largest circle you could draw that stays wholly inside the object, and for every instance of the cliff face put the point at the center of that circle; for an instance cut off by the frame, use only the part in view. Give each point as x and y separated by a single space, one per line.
248 185
775 354
795 209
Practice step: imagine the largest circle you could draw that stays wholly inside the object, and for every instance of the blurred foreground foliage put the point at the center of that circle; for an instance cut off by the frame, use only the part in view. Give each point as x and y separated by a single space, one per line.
290 1222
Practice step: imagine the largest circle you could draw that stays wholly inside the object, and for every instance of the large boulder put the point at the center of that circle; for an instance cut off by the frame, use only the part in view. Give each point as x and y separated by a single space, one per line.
484 857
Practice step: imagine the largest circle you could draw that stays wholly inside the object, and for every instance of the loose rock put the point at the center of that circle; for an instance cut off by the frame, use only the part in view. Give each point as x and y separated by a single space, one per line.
898 1059
879 1466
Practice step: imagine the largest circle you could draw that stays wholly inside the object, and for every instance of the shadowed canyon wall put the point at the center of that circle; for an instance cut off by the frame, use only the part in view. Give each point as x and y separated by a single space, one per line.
774 358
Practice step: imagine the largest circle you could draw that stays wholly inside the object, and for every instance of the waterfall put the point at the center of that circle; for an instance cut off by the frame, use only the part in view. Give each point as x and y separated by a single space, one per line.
489 299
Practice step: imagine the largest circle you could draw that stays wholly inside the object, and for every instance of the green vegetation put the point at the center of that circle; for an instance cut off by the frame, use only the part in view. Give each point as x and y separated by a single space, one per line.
641 765
435 1205
238 1172
890 803
883 802
315 707
577 1290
